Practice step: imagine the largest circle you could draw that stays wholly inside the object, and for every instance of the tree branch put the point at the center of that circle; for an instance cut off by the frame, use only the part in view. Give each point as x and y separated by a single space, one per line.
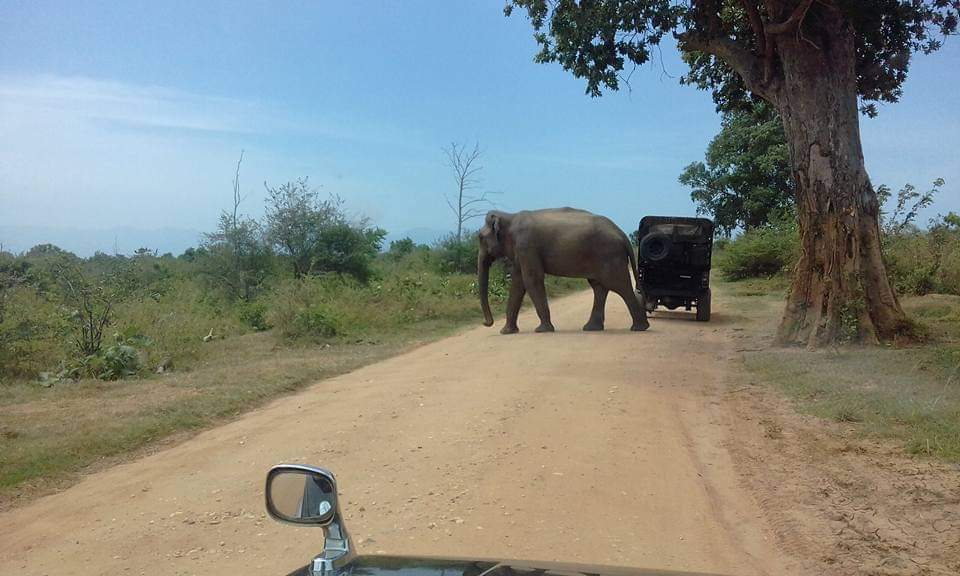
743 62
753 15
791 23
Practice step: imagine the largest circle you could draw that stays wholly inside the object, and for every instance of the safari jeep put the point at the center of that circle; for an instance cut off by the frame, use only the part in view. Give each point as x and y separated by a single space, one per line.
674 263
300 494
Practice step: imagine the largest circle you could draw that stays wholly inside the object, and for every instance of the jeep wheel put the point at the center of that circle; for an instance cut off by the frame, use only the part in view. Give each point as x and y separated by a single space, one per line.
655 247
703 307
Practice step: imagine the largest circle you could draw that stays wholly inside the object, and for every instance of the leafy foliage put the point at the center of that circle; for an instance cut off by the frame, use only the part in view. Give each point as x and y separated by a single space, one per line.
88 301
349 249
317 236
919 261
925 261
909 204
235 258
596 39
762 251
456 255
296 219
745 181
401 248
117 361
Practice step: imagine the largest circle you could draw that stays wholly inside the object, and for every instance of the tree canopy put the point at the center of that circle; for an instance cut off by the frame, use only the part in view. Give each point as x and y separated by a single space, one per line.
745 179
730 44
316 235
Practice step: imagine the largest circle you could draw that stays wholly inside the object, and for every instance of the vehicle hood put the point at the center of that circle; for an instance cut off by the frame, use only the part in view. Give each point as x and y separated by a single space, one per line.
430 566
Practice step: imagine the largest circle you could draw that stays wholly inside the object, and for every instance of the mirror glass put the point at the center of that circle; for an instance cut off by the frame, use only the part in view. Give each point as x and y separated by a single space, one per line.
302 496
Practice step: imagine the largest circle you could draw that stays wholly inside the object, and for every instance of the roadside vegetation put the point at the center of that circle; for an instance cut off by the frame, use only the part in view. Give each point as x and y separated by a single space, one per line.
910 394
105 355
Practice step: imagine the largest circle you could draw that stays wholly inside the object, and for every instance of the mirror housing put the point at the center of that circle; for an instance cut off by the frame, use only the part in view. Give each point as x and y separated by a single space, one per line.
299 494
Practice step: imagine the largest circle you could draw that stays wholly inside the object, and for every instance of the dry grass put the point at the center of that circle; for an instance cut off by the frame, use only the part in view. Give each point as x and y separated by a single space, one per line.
49 435
910 395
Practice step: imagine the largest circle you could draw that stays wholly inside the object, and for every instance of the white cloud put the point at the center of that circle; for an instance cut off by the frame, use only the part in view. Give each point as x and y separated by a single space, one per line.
81 152
111 102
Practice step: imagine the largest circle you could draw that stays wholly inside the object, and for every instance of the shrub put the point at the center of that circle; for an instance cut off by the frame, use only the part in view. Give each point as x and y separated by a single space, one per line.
400 248
254 315
33 334
924 261
120 360
764 251
299 308
452 255
949 274
176 321
911 263
315 321
317 236
115 362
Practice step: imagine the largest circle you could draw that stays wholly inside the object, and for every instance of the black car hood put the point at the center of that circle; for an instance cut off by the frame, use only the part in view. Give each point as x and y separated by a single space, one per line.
428 566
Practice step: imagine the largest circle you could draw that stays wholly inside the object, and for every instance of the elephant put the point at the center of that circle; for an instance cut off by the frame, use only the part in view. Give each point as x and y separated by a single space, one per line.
562 242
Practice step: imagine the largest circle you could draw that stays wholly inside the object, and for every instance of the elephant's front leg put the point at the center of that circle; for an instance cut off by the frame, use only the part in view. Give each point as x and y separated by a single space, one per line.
599 303
514 301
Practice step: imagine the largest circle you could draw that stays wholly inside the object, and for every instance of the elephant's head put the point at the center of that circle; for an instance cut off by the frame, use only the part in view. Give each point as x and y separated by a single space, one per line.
492 247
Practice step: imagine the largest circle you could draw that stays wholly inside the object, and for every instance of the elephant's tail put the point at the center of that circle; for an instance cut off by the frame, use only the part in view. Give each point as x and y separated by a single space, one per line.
633 264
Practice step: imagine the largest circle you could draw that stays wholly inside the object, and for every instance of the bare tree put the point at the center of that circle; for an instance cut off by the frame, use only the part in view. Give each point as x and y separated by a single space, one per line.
470 201
238 269
90 301
237 257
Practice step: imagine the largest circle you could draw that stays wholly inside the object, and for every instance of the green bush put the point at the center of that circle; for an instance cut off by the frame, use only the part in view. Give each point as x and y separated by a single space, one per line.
177 321
761 252
297 308
253 314
115 362
921 262
316 321
452 255
405 292
120 360
33 334
949 273
911 263
168 309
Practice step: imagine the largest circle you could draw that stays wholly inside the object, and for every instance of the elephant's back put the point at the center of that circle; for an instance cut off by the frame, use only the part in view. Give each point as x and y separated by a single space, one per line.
571 241
571 224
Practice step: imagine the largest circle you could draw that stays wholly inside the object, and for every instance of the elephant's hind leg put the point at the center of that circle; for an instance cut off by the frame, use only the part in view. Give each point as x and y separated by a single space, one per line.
639 315
599 304
620 283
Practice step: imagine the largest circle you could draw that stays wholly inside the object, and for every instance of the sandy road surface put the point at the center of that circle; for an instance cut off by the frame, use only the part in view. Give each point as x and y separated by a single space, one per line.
586 447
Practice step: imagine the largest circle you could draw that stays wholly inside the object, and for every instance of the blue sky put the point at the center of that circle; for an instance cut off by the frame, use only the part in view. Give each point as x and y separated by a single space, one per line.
132 115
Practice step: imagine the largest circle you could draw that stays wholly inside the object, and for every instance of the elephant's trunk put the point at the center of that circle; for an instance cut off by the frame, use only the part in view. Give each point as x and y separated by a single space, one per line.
483 276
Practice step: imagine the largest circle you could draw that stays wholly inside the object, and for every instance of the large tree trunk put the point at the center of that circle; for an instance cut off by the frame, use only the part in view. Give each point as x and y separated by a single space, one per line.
840 290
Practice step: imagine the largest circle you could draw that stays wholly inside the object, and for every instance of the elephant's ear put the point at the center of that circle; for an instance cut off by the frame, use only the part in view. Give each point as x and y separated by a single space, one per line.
494 221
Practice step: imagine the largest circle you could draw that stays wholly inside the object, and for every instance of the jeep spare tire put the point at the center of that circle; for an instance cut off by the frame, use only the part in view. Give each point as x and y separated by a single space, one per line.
655 247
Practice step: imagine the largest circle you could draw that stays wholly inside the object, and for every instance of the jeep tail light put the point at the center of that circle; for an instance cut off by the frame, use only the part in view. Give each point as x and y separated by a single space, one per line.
705 279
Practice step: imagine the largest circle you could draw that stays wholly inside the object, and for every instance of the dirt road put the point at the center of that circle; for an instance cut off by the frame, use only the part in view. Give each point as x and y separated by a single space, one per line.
589 447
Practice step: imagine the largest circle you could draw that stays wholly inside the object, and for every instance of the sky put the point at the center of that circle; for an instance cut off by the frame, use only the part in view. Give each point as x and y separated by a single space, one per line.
126 119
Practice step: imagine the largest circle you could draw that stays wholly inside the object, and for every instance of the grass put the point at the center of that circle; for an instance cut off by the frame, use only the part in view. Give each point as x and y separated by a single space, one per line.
49 435
910 395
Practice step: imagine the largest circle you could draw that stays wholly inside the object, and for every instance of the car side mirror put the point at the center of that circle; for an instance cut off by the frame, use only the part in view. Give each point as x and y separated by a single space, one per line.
301 494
